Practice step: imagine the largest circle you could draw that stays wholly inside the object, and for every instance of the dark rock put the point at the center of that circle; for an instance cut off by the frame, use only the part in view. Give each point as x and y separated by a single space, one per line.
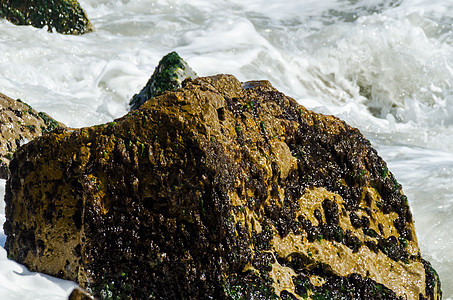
19 124
168 76
79 294
216 191
66 16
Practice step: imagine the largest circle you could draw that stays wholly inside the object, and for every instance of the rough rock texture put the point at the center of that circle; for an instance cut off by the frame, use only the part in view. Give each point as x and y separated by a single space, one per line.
19 124
168 76
79 294
66 16
216 191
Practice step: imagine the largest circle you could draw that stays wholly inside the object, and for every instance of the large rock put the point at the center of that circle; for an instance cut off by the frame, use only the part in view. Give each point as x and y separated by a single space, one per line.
217 190
19 124
65 16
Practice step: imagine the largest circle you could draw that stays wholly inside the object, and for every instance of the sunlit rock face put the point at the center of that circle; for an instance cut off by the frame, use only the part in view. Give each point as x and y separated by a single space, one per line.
217 190
65 16
19 124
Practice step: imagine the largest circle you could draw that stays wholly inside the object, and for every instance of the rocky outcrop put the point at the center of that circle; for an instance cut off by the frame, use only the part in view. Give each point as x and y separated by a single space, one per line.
168 76
65 16
218 190
19 124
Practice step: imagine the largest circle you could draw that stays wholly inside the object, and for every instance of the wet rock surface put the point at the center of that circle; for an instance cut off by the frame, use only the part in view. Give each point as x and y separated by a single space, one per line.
19 124
217 190
79 294
171 71
65 16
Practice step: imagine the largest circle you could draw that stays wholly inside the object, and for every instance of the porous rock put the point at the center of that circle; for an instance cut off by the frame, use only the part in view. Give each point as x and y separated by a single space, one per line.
218 190
19 124
65 16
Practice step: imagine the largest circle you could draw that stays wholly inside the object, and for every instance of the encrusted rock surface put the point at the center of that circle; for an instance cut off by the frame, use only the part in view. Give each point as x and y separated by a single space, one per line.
66 16
19 124
216 191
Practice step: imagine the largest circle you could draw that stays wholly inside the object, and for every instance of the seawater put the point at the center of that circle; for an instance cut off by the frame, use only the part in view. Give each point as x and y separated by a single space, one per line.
385 67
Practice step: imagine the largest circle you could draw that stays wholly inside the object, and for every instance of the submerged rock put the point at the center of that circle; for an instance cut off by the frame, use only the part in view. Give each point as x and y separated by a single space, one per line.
19 124
66 16
168 76
217 190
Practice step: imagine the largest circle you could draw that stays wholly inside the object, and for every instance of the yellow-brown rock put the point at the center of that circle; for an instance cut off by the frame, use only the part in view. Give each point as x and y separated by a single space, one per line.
19 124
218 190
79 294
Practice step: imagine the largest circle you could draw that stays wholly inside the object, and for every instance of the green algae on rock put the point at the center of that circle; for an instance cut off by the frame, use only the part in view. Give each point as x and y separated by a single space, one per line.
168 76
19 124
216 190
65 16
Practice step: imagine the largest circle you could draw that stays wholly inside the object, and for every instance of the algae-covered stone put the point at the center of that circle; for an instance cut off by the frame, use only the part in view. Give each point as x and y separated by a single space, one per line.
168 76
216 191
19 124
66 16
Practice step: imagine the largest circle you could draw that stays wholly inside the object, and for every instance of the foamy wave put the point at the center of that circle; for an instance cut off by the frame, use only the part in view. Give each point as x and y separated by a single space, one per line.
390 65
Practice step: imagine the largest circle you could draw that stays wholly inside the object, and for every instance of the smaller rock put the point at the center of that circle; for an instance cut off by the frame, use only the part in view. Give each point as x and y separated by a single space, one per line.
19 124
168 76
79 294
66 16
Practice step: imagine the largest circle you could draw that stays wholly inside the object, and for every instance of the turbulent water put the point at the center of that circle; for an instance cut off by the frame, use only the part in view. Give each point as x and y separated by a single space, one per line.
384 66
